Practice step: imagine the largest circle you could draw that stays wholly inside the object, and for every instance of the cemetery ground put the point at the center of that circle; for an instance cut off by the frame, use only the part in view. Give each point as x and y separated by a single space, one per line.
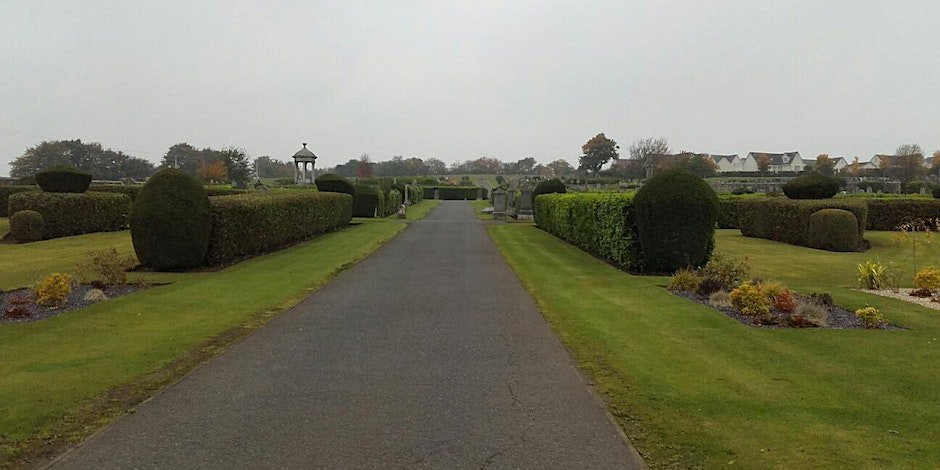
63 377
694 388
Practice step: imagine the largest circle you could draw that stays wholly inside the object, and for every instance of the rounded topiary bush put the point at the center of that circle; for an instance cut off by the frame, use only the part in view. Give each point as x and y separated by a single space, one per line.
676 212
27 226
553 185
330 183
811 186
833 230
171 222
63 179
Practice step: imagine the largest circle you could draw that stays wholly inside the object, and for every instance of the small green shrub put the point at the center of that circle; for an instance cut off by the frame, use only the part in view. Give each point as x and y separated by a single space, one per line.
171 222
914 187
676 213
927 278
67 214
871 275
330 183
811 186
27 226
832 230
872 317
107 266
63 179
392 201
685 280
53 290
750 299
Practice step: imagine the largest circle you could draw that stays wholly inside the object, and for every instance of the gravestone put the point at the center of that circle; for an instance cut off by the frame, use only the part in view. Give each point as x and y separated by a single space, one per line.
500 204
525 205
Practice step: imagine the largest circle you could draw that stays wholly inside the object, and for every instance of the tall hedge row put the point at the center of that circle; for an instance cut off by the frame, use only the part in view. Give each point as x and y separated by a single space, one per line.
67 214
787 220
6 191
256 223
453 193
887 214
132 190
601 223
368 202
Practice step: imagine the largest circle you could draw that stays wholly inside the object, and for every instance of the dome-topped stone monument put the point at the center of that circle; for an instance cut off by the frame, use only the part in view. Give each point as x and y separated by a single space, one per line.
304 161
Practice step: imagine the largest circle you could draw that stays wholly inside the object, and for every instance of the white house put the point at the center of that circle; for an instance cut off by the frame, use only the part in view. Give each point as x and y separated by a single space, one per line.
728 163
787 161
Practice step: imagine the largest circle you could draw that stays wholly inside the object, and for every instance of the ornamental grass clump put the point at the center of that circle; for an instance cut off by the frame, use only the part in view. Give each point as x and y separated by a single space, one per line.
871 275
686 280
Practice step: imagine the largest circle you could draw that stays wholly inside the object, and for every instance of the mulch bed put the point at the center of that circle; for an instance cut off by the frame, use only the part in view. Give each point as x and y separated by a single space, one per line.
29 311
838 317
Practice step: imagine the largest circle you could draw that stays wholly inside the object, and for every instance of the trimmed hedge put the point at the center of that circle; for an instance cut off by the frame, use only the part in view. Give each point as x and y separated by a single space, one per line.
550 186
27 226
67 214
63 179
262 222
676 213
832 230
6 191
889 213
728 208
171 221
786 220
811 186
133 190
452 193
211 192
600 223
330 183
130 190
368 202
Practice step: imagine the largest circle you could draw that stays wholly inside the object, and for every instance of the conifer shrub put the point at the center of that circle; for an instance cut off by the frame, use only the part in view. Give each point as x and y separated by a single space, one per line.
171 222
330 183
676 213
63 179
27 226
811 186
549 186
832 230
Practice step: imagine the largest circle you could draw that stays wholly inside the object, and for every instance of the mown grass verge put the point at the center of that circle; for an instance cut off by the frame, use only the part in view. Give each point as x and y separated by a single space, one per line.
65 377
693 388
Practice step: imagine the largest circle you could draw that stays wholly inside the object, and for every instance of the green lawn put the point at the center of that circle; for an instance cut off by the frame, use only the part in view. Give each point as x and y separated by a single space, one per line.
479 205
692 387
63 377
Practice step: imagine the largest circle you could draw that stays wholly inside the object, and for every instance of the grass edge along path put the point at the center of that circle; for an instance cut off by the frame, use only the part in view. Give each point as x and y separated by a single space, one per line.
63 378
694 388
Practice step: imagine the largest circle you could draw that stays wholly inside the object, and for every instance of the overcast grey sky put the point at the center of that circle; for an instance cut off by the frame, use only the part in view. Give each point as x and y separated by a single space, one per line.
459 80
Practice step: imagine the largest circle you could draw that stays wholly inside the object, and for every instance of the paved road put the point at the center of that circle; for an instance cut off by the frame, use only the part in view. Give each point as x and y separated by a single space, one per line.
428 354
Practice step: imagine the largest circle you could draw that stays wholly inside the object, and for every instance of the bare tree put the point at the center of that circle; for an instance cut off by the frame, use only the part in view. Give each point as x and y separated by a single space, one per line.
643 148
